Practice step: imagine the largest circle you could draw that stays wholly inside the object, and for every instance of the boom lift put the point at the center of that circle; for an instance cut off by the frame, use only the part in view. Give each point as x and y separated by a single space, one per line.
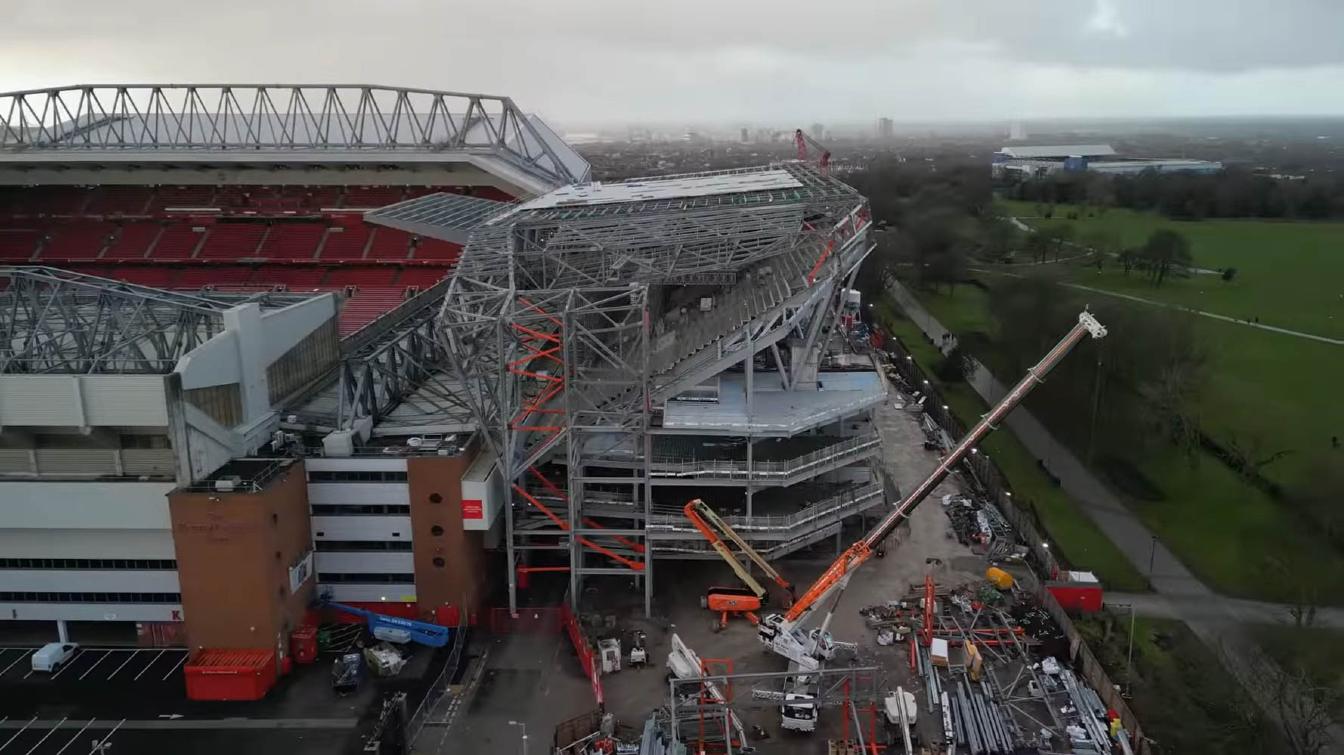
730 600
781 632
396 629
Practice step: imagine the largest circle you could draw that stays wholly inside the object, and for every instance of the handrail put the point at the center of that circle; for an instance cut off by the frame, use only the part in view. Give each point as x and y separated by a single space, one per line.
737 468
660 522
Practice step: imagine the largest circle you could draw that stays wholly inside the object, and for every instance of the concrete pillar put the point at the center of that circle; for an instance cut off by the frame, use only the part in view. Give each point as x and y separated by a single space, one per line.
61 631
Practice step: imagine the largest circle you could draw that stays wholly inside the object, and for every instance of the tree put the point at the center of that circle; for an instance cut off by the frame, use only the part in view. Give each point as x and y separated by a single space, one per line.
1301 705
1101 242
1128 259
999 239
1063 237
1165 250
1228 274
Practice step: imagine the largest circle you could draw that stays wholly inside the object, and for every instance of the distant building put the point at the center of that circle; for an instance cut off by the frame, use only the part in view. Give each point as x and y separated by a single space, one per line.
886 128
1017 132
818 131
746 135
1032 162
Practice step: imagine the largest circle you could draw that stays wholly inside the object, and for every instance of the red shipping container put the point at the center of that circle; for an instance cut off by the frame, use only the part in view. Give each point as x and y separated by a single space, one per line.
1079 592
219 674
303 644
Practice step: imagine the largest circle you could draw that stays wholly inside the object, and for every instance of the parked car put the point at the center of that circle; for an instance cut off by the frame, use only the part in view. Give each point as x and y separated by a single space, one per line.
51 656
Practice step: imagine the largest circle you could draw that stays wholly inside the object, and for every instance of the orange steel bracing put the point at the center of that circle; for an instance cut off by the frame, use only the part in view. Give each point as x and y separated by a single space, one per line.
555 490
546 347
706 521
927 629
861 551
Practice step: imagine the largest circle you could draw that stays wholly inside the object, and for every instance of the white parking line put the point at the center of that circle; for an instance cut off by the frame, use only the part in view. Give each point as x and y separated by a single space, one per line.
133 654
104 740
16 660
104 656
17 733
151 663
50 731
72 739
174 668
67 665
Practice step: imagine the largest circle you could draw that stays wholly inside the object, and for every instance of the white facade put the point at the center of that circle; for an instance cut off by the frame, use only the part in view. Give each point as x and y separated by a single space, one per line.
389 593
356 527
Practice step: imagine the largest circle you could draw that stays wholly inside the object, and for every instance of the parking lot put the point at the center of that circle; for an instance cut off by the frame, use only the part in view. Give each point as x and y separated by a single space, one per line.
95 665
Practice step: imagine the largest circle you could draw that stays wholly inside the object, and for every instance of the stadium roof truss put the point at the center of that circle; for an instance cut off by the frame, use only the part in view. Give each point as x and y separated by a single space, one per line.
56 321
299 123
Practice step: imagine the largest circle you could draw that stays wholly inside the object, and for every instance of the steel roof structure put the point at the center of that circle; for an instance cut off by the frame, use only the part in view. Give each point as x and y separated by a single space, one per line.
560 333
58 322
284 124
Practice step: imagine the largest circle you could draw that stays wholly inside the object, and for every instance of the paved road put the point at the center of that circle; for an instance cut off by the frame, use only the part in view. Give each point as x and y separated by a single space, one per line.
1218 608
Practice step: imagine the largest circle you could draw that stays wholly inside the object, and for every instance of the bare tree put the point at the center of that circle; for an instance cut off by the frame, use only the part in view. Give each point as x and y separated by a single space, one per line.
1300 706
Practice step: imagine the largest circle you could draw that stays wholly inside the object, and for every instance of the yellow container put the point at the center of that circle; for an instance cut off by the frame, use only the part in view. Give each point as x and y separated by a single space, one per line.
999 578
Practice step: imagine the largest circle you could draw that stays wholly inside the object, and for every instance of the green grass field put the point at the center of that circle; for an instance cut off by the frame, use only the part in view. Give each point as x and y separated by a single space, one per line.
1289 274
1223 529
1075 536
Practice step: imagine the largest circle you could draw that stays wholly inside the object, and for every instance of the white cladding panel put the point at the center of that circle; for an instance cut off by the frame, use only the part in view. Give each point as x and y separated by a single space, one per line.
335 493
87 543
85 505
484 483
88 580
386 562
83 400
389 593
362 528
354 464
91 612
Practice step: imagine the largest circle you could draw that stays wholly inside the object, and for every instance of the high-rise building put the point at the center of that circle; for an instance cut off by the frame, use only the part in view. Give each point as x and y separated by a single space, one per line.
886 128
746 135
818 131
1017 132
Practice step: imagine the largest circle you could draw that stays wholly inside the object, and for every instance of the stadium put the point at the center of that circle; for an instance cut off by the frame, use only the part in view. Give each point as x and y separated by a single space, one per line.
394 348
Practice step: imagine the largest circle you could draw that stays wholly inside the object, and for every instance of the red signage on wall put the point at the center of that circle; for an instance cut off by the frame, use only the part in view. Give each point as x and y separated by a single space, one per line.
472 509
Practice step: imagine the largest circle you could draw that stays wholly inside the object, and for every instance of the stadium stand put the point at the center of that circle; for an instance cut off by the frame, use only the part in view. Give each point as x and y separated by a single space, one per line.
79 240
292 241
133 241
345 243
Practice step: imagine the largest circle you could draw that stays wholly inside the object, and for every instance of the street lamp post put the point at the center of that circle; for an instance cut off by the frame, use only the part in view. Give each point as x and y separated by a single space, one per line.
523 726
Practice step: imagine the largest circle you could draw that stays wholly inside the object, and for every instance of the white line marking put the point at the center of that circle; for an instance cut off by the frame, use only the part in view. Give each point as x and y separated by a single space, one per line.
15 663
72 739
95 664
104 740
133 654
146 668
51 731
68 664
17 733
31 671
174 668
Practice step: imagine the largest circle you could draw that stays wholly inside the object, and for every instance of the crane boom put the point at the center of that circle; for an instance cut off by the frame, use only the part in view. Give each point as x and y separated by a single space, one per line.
863 550
715 530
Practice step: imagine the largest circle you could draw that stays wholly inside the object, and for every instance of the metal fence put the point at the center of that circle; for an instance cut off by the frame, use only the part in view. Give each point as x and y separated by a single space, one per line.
438 689
737 469
844 504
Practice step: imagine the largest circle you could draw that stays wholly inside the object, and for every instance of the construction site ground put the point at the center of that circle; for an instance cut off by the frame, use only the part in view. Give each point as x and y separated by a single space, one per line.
535 679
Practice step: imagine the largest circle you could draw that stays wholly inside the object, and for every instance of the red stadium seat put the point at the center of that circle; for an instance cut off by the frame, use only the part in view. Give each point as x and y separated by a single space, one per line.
434 249
389 244
133 241
183 196
366 305
232 241
79 240
362 275
296 277
213 275
422 277
18 244
178 242
292 241
119 200
372 197
346 243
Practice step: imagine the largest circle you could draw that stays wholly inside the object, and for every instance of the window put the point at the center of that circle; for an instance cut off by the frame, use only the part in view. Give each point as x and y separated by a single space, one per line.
436 530
438 561
363 545
365 578
90 597
352 476
435 498
143 564
365 509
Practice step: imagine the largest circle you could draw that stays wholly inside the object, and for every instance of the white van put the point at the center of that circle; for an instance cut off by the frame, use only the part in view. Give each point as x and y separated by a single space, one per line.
51 656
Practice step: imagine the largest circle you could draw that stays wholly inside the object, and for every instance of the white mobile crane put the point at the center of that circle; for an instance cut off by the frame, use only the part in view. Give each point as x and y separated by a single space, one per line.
781 632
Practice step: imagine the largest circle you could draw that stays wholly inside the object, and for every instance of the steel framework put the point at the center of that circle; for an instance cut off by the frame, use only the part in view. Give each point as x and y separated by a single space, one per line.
296 122
56 321
564 328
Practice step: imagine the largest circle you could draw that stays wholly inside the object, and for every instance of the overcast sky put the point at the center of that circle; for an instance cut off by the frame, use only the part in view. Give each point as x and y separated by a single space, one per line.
729 61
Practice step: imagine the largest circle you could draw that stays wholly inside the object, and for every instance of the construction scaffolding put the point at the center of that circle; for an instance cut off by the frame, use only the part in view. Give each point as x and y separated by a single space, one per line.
576 319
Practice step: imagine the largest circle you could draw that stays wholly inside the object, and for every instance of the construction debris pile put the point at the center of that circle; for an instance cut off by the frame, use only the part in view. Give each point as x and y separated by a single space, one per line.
982 528
983 665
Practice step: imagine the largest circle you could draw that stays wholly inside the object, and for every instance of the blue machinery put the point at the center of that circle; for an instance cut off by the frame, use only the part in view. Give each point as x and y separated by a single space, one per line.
395 629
